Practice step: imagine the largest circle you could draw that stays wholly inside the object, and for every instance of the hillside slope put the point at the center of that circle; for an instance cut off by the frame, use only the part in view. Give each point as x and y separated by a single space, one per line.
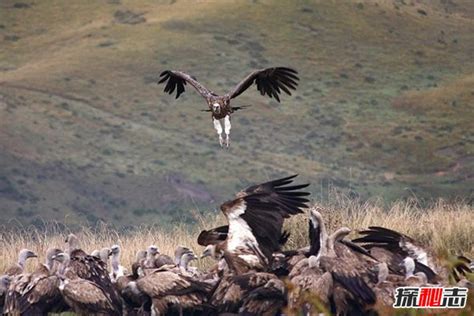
384 107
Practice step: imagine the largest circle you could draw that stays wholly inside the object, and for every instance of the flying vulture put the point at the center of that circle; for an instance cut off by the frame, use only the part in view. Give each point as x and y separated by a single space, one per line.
255 219
269 81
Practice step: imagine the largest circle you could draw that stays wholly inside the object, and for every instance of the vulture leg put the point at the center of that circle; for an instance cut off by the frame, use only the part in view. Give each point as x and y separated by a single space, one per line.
218 127
227 129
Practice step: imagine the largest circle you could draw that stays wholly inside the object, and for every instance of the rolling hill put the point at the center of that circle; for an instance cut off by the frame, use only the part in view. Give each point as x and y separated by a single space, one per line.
384 107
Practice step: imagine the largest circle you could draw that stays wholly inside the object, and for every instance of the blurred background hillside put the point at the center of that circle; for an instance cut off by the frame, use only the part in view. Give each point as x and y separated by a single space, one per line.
385 105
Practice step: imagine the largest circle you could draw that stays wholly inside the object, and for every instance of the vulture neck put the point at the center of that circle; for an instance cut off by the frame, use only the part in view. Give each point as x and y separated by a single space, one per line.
338 235
22 260
184 263
115 261
49 263
64 265
104 256
317 222
72 243
149 256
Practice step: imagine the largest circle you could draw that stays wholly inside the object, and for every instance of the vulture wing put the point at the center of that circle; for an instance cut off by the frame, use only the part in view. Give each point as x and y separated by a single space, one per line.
269 81
393 241
213 236
94 270
256 216
219 234
176 80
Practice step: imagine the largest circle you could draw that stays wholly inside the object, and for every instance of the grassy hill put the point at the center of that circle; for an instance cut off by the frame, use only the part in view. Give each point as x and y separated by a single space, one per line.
384 107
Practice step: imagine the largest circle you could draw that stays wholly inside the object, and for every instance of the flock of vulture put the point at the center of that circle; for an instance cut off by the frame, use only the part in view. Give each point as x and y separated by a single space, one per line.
252 274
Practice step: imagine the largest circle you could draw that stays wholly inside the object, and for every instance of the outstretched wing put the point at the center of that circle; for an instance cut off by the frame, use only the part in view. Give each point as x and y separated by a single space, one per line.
270 81
393 241
176 80
256 216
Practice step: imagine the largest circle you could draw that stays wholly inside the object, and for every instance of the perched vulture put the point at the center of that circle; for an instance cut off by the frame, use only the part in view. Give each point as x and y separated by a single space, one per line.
396 249
36 293
86 297
233 289
18 268
91 269
269 81
351 267
117 269
169 290
255 219
266 300
309 284
156 260
136 302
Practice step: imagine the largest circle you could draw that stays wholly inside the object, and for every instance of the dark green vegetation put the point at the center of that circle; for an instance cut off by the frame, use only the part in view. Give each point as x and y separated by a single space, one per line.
385 104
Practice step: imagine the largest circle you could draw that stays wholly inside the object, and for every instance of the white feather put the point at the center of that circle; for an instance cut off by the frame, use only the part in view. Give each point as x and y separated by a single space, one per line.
239 231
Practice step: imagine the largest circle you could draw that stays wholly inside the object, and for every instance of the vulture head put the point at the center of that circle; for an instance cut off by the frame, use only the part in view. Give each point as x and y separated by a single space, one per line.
152 251
211 251
4 282
50 254
115 249
24 255
61 257
104 254
178 253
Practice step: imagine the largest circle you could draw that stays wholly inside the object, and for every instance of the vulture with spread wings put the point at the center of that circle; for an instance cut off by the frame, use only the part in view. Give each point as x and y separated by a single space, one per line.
255 219
269 81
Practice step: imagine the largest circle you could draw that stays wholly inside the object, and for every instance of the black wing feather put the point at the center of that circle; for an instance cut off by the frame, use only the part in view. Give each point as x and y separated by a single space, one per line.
176 80
269 81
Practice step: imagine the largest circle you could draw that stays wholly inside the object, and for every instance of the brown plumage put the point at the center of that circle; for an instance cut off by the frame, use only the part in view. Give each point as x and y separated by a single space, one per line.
233 289
91 269
266 300
168 289
37 293
394 248
85 297
136 302
270 81
351 267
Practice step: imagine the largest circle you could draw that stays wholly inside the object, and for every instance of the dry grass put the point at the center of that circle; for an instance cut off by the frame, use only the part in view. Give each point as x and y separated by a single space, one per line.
445 227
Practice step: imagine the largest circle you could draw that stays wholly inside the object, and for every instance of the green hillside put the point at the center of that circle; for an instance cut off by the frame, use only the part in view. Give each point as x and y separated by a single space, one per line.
384 107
